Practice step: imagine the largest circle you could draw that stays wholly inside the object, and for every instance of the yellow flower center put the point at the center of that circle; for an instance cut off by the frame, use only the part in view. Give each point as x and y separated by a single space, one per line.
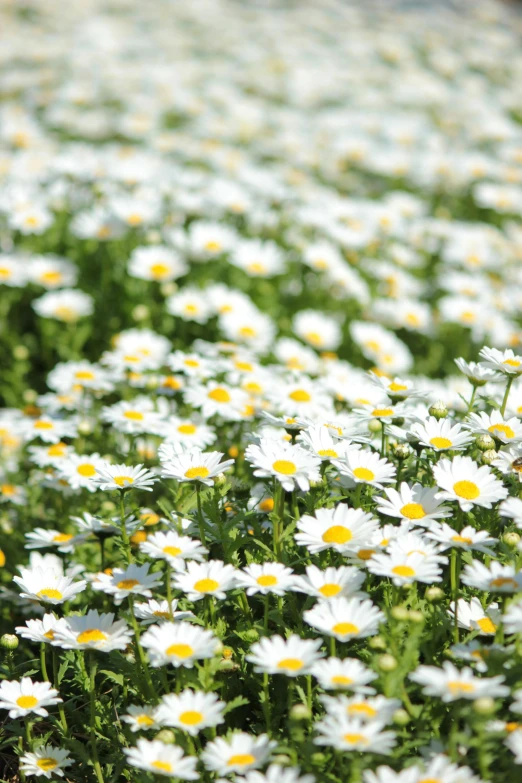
503 581
395 387
403 570
206 585
51 593
51 277
219 395
328 453
27 702
364 474
340 679
144 720
65 313
191 717
362 709
149 518
57 450
159 270
345 629
267 505
337 534
256 268
84 375
466 489
486 625
86 469
382 412
413 511
122 481
314 338
43 425
8 489
355 739
241 760
365 554
300 395
62 538
441 443
173 551
187 429
163 615
329 590
197 472
292 664
180 650
91 635
462 539
134 415
247 331
511 362
49 635
47 763
127 584
213 246
267 580
457 686
503 428
164 766
284 466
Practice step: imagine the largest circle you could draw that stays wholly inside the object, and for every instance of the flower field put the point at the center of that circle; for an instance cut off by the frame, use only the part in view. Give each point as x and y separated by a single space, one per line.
261 389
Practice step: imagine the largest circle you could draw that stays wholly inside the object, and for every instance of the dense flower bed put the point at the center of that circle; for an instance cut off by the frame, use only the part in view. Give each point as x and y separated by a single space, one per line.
261 434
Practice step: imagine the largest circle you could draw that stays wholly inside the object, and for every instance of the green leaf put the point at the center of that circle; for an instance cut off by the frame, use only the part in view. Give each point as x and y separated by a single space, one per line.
239 701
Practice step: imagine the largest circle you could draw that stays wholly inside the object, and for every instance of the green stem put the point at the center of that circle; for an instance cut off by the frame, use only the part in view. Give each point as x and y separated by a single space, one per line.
278 519
454 577
266 701
358 493
169 588
43 665
333 646
265 616
141 655
201 521
124 534
472 398
506 395
92 699
61 710
101 539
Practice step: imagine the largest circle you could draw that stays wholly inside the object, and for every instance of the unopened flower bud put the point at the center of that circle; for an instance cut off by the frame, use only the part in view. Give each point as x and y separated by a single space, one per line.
282 759
434 594
401 451
227 665
220 480
29 396
300 712
400 613
140 312
398 421
374 425
167 289
512 540
9 641
484 706
401 717
251 636
387 663
377 643
489 456
85 427
438 410
108 507
167 736
318 759
414 616
485 442
20 353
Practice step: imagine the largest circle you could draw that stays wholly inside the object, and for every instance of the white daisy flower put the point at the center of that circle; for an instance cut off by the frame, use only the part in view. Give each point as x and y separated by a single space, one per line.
495 578
239 752
348 674
217 399
160 759
514 744
266 578
134 418
141 718
321 443
193 465
79 470
345 618
121 583
365 467
179 644
47 585
477 373
45 761
494 424
449 683
505 362
189 433
440 435
350 734
156 262
24 697
173 548
292 657
330 583
472 617
416 504
191 711
40 538
290 465
156 611
342 528
404 569
378 708
468 539
41 630
512 619
198 580
511 508
463 481
123 477
47 429
92 631
276 774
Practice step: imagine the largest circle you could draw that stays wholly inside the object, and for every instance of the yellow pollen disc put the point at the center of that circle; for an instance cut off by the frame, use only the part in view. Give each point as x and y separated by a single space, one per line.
138 537
195 473
213 246
328 453
173 551
47 764
395 387
486 625
330 590
284 466
122 481
187 429
457 686
164 766
91 635
134 415
293 664
57 450
340 679
413 511
430 780
344 629
503 428
364 474
441 443
300 395
65 313
159 270
337 534
191 717
51 593
49 635
84 375
51 277
403 570
144 720
365 554
267 505
241 760
180 650
219 395
27 702
149 518
503 581
127 584
382 412
163 615
256 268
253 387
8 489
314 338
62 538
511 362
206 585
362 709
86 470
247 331
462 539
267 580
43 425
512 726
466 489
355 739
